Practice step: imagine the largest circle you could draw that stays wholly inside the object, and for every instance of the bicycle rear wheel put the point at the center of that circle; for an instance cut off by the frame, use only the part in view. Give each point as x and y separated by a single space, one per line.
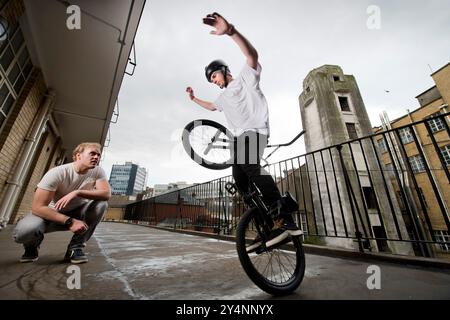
277 270
209 144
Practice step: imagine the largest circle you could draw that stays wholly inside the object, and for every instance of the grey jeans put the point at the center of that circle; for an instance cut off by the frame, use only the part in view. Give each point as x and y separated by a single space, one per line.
30 230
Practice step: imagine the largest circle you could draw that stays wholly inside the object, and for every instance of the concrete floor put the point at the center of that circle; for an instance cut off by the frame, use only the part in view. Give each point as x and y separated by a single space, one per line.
137 262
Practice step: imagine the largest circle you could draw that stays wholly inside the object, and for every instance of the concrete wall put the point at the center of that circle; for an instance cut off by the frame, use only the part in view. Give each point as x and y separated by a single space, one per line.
114 214
442 80
428 96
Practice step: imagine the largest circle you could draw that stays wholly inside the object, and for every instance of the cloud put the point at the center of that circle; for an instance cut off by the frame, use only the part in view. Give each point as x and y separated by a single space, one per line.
292 38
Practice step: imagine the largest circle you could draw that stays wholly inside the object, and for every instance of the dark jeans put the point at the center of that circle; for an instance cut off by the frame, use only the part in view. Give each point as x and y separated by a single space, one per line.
249 150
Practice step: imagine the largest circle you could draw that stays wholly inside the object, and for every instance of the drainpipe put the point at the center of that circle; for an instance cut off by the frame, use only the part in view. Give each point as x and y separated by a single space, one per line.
54 127
405 183
14 184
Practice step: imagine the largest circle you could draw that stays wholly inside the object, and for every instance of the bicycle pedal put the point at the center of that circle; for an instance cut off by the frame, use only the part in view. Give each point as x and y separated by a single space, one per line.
231 188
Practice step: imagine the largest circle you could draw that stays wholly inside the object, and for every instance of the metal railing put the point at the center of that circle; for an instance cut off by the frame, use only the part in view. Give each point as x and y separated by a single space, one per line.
363 194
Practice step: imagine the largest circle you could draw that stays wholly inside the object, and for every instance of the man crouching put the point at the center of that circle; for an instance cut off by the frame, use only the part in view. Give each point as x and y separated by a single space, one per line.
71 197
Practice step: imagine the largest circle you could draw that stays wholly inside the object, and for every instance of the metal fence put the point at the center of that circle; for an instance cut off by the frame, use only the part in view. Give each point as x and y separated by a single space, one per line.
386 192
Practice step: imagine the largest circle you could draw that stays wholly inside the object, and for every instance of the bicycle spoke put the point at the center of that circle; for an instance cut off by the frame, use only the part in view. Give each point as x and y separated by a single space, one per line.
276 270
276 265
217 151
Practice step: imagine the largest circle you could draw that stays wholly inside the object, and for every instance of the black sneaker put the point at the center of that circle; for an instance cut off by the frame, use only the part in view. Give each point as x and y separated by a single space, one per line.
254 244
31 254
292 228
282 228
276 236
75 256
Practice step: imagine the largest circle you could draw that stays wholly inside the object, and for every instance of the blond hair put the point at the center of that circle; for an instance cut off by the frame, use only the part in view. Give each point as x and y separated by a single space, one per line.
80 148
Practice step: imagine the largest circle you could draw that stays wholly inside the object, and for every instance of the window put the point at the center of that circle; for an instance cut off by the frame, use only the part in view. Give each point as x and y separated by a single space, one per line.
303 223
6 57
343 102
15 67
336 78
445 151
436 124
369 195
406 135
443 236
382 146
417 163
351 130
380 235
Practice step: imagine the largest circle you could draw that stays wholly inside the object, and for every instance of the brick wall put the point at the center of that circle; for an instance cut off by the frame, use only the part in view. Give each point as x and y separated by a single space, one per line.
114 214
442 80
38 166
19 123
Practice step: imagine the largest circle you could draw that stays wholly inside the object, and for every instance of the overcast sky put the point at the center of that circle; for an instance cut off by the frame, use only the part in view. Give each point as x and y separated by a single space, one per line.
292 37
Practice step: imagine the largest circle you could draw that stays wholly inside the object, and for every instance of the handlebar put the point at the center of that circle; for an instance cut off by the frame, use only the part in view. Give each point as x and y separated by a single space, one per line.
289 143
281 145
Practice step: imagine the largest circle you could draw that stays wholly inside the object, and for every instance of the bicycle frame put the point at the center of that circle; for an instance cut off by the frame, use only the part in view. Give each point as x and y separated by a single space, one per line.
253 199
216 138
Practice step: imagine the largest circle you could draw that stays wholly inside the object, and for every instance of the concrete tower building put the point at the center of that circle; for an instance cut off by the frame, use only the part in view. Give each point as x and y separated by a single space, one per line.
333 112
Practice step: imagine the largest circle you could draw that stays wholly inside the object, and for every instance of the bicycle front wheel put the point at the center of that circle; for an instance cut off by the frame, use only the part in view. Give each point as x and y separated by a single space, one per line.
209 144
278 270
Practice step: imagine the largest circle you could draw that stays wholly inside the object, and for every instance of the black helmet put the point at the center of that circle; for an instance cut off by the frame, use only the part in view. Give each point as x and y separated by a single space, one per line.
216 65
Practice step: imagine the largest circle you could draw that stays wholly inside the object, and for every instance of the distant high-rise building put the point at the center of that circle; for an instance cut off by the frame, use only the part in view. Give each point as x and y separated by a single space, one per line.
127 179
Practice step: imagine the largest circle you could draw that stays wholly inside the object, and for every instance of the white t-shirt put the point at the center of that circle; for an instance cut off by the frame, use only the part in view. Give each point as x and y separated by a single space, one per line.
64 179
244 104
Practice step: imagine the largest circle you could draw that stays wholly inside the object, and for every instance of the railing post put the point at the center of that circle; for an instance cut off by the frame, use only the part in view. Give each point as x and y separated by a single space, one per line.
352 198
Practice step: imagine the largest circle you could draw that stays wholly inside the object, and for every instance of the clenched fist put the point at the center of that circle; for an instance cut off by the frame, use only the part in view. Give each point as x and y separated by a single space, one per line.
191 93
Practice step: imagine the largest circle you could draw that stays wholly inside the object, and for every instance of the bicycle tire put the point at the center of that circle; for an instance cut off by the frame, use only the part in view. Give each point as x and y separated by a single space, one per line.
251 262
193 153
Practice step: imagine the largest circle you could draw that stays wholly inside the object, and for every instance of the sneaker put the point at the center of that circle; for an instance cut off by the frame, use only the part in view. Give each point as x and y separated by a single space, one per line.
292 229
31 254
75 256
276 236
287 223
254 244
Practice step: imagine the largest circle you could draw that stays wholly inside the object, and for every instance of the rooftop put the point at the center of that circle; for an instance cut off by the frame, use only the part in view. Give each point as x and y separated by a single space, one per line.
137 262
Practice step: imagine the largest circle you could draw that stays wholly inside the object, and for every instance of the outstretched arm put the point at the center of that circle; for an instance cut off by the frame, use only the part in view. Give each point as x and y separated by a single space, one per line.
205 104
223 27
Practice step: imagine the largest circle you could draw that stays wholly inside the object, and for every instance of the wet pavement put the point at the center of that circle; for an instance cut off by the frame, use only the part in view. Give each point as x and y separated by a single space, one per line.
137 262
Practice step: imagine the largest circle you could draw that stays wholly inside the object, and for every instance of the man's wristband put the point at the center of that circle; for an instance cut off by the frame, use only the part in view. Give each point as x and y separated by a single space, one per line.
231 30
68 222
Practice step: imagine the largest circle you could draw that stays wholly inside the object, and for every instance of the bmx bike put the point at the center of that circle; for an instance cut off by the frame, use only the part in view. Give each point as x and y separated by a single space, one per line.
277 269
